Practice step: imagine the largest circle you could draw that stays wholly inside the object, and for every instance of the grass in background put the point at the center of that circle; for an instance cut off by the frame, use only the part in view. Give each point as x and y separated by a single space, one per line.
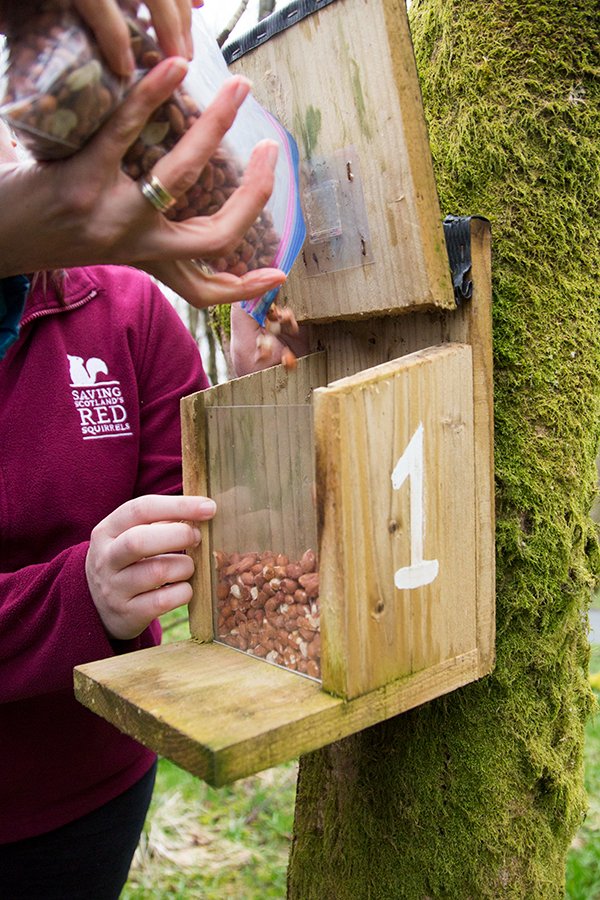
203 843
583 863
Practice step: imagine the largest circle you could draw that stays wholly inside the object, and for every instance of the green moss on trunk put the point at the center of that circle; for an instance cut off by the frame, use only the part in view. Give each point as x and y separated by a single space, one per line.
479 794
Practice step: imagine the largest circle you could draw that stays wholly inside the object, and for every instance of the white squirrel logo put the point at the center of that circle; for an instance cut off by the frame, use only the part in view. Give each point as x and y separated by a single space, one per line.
99 403
84 374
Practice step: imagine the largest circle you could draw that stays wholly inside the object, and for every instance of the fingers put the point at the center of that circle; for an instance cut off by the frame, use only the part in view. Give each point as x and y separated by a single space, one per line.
181 168
172 20
204 237
156 508
241 210
126 619
152 574
154 603
224 288
106 21
133 231
134 552
144 541
201 289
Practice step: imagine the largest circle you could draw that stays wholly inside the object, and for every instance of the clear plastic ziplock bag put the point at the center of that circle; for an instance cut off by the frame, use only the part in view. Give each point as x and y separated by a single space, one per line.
58 89
279 233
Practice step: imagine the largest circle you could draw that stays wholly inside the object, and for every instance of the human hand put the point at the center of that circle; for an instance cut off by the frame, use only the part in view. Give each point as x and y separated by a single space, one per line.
202 288
134 565
171 20
84 210
253 348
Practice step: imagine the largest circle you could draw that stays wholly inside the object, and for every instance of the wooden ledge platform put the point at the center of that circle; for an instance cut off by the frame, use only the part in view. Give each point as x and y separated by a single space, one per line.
222 715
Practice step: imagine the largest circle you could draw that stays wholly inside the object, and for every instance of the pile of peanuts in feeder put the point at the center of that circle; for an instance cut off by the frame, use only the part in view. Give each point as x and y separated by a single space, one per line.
268 606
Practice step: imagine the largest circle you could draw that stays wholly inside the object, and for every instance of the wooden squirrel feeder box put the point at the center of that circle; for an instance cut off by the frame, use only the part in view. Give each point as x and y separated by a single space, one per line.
349 573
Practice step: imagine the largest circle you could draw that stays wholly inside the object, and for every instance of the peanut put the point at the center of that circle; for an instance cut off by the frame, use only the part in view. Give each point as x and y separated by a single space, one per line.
267 605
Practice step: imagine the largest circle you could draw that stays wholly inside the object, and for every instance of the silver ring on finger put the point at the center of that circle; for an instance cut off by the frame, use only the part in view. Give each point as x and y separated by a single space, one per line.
156 193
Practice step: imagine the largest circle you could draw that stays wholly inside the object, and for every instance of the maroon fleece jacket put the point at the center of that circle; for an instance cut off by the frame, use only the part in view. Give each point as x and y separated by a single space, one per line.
89 418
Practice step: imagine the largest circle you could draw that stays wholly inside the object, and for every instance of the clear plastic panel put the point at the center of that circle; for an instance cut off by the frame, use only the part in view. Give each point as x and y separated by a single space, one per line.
264 535
338 234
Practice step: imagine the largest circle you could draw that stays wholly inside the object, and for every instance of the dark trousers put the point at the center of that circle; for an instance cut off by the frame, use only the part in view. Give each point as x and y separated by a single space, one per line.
88 859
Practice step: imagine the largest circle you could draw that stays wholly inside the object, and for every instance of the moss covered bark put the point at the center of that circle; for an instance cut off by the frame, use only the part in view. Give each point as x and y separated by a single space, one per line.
479 794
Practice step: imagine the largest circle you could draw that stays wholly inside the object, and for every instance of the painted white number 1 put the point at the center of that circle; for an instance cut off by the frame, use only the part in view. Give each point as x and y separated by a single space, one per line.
410 465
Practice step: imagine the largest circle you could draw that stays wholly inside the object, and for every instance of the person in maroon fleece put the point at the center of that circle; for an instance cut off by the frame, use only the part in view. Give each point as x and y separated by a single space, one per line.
90 529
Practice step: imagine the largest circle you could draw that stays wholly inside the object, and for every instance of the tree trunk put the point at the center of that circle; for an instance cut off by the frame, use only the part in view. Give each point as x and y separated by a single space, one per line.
265 8
235 18
478 795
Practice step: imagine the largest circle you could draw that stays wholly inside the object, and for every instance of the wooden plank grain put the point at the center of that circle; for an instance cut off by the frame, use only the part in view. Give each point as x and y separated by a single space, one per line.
473 324
223 715
361 102
374 632
356 346
195 482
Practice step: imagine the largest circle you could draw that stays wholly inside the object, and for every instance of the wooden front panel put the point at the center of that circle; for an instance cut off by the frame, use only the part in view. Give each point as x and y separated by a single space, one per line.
344 83
395 474
355 346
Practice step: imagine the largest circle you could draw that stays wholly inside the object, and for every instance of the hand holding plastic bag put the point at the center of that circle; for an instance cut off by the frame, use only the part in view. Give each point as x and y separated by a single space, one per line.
60 91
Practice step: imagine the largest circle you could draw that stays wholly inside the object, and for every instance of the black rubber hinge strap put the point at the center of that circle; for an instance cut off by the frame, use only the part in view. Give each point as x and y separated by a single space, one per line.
457 231
272 25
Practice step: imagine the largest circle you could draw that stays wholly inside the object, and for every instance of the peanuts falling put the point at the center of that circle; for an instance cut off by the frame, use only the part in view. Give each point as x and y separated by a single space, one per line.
280 322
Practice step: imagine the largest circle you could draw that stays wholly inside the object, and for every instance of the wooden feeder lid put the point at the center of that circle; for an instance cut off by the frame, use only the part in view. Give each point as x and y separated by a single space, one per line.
344 82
